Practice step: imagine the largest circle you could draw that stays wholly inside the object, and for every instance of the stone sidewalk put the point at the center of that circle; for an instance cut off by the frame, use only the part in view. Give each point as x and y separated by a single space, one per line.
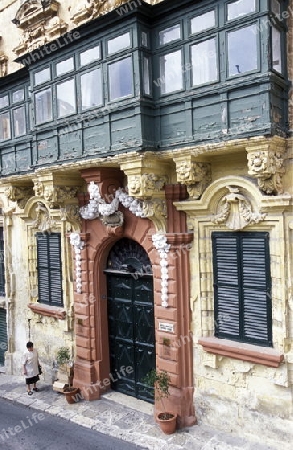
125 418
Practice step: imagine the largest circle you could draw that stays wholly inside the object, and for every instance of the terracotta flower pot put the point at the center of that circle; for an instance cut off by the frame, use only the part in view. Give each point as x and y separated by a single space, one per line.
167 422
71 395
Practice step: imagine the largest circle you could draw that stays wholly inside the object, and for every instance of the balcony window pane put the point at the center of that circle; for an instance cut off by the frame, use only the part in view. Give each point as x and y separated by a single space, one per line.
171 78
5 132
203 22
276 49
146 76
121 78
4 101
119 43
91 89
43 102
64 66
90 55
240 8
170 34
242 50
18 96
42 76
19 121
66 98
144 39
204 62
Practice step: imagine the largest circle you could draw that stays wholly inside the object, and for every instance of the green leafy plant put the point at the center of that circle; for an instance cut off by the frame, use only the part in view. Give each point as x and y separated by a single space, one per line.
160 381
63 356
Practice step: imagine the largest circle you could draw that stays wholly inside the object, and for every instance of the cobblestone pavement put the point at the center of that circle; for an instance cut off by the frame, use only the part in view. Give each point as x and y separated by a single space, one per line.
125 418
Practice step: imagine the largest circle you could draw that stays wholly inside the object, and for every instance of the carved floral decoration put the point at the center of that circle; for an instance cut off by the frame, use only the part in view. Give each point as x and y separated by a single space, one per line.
268 167
43 221
161 245
236 211
78 245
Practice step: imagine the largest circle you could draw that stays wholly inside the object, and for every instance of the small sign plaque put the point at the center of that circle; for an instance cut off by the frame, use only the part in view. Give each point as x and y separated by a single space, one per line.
169 327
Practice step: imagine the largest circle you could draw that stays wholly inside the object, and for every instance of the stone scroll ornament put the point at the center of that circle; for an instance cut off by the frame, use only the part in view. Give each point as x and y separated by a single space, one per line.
78 244
236 211
97 208
160 243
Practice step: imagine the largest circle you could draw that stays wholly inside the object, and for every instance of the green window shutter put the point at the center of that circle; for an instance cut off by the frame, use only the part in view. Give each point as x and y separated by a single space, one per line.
2 269
49 268
242 287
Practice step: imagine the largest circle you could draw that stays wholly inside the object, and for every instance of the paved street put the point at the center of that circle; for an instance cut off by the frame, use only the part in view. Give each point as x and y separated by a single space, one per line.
24 428
114 415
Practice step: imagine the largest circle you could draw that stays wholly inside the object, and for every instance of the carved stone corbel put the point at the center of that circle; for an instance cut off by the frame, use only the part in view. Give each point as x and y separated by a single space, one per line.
266 164
155 210
195 175
90 9
18 194
50 189
235 210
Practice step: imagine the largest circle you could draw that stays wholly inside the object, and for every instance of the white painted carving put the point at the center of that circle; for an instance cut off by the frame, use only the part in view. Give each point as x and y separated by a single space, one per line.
78 244
160 242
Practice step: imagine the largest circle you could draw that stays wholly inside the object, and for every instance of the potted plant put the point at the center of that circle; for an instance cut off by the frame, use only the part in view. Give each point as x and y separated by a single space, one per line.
65 366
160 381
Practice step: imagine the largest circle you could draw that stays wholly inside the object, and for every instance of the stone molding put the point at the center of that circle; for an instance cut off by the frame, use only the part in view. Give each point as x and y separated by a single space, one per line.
246 352
236 211
266 164
46 310
39 23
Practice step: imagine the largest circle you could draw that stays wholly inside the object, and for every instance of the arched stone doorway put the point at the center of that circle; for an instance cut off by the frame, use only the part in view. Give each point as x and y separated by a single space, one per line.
131 328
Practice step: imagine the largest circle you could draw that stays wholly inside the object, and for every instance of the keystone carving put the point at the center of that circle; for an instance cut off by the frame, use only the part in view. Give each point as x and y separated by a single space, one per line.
20 195
266 164
39 21
43 221
235 210
195 175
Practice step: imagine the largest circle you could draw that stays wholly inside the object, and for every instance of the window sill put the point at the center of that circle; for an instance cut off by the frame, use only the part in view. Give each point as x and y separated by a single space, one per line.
46 310
246 352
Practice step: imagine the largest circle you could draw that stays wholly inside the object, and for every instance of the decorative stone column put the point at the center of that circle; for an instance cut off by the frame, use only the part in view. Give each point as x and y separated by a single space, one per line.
173 334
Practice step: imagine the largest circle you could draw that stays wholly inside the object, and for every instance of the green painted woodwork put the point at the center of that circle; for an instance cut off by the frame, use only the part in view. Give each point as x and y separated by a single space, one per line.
244 105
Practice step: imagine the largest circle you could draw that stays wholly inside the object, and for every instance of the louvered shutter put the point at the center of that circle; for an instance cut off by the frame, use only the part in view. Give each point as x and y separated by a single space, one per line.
3 335
49 268
2 270
242 287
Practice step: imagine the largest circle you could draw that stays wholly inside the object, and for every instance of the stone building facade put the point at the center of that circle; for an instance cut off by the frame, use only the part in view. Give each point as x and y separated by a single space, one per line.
146 194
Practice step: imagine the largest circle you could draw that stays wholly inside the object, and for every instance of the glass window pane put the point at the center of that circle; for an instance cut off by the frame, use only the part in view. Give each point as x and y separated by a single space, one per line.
91 89
204 62
171 72
18 96
42 76
276 7
121 78
240 8
146 76
242 50
203 22
19 121
170 34
4 101
64 66
144 39
5 132
276 47
43 106
92 54
66 98
119 43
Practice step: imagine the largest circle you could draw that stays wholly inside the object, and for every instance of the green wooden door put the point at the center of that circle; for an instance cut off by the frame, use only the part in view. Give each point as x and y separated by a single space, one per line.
130 320
3 335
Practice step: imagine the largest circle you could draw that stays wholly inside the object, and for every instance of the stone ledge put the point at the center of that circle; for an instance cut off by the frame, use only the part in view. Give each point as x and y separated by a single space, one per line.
246 352
46 310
